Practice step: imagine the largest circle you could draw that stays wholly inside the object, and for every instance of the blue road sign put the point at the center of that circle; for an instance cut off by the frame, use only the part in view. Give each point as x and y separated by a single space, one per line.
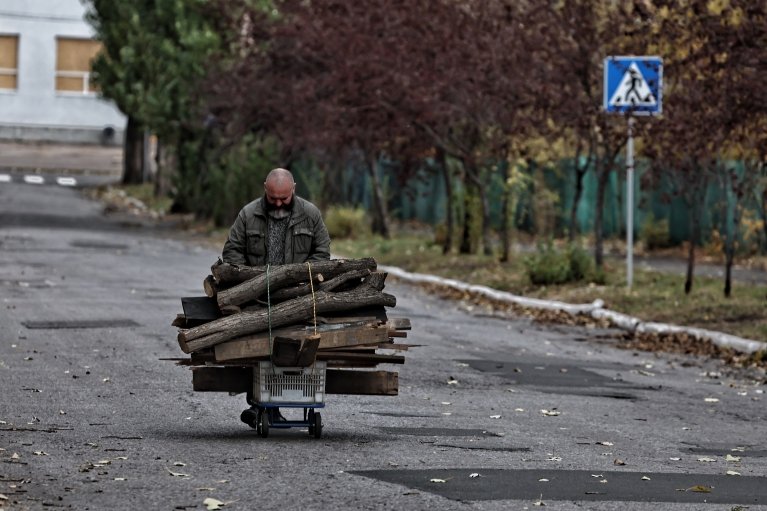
633 85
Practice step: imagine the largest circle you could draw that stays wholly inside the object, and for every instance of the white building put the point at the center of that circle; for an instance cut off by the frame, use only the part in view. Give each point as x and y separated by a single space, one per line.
45 90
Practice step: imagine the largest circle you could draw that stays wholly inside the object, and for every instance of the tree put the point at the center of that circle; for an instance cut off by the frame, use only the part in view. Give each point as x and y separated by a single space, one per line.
154 58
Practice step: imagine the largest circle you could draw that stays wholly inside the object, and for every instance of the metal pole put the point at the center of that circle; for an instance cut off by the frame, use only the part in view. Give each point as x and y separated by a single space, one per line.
630 204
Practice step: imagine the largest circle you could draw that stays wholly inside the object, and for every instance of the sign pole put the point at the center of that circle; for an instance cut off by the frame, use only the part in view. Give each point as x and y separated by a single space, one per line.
630 203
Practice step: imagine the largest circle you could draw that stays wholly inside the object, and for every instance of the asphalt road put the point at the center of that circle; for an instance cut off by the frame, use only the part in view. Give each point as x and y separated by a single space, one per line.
493 413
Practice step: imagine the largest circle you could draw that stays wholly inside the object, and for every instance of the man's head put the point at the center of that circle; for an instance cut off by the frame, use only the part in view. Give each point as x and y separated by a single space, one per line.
279 189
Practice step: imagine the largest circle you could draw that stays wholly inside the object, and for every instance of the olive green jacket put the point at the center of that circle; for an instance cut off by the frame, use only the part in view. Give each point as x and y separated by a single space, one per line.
306 239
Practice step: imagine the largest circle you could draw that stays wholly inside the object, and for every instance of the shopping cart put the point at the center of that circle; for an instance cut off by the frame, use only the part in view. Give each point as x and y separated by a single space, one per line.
286 387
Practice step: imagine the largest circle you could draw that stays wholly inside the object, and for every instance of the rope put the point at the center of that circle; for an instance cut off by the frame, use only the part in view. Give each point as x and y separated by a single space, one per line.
314 302
269 313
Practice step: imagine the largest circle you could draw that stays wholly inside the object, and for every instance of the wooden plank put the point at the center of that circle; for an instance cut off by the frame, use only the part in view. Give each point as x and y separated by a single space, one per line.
361 357
285 351
258 345
339 381
308 352
368 383
398 323
397 333
222 379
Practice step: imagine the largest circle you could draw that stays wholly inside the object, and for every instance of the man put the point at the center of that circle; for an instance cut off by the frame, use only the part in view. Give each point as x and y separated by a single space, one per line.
278 228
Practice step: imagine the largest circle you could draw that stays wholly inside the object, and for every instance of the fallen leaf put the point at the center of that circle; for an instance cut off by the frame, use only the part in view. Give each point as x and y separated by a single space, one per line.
543 480
212 504
41 453
712 400
15 456
437 481
732 473
104 462
603 481
452 381
176 474
597 475
645 478
121 458
539 502
3 497
699 488
179 464
474 475
550 413
555 458
205 489
738 449
617 461
446 403
730 457
519 409
675 459
119 479
495 416
605 443
392 464
447 413
706 459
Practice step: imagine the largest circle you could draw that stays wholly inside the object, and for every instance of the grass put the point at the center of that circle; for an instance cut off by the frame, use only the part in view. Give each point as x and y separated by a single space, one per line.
654 296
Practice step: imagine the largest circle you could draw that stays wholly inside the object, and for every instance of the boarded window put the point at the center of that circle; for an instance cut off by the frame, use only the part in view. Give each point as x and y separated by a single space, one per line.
73 64
9 61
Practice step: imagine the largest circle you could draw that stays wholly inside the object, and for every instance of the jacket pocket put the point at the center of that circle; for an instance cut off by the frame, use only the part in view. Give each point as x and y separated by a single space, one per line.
302 242
255 243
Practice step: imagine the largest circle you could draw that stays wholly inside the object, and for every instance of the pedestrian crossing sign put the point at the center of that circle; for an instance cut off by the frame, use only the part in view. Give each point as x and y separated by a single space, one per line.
633 85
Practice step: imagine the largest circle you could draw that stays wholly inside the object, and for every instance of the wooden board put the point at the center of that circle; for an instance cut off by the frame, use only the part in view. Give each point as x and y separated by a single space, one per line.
258 345
339 381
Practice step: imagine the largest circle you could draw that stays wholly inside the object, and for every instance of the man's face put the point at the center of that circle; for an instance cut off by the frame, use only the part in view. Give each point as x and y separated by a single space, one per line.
279 195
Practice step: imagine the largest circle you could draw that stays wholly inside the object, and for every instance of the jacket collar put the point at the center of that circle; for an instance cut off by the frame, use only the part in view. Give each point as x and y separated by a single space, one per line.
299 211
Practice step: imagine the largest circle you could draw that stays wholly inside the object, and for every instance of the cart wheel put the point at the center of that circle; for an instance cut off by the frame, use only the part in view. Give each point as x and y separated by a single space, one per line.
317 425
250 399
250 417
263 424
310 420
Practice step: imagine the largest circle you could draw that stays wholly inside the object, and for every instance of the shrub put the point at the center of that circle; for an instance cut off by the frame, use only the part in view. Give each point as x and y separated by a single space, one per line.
550 266
345 222
654 233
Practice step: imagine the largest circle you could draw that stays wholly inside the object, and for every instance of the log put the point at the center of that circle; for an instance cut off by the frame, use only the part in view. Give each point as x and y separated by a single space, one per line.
286 313
257 345
289 293
287 274
210 286
338 381
228 275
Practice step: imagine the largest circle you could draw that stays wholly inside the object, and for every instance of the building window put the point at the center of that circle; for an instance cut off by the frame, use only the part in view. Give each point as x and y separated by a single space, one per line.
9 61
73 64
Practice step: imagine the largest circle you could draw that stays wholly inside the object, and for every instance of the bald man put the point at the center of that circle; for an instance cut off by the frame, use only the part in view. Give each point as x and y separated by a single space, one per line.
278 228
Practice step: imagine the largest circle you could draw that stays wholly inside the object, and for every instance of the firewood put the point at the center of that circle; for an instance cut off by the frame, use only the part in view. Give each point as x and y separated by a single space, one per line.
287 274
286 313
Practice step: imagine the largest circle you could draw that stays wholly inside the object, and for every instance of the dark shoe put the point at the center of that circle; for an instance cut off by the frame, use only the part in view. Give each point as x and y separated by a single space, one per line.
249 417
276 416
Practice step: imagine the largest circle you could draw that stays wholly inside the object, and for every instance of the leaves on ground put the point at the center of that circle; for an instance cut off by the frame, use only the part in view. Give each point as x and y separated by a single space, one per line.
212 504
176 474
551 413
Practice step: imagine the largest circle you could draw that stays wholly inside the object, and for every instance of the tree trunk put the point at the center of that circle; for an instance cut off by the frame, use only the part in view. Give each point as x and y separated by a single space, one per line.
286 313
288 274
580 172
465 247
133 153
166 166
505 227
380 215
691 251
764 219
442 162
603 175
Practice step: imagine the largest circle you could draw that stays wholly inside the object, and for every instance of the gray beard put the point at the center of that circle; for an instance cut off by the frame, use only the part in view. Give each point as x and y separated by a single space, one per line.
279 214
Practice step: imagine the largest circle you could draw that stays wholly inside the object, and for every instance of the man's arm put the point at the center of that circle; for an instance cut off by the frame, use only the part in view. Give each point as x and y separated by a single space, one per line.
321 243
234 248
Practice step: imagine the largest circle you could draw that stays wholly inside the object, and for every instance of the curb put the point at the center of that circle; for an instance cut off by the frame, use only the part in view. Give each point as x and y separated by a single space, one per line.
595 309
